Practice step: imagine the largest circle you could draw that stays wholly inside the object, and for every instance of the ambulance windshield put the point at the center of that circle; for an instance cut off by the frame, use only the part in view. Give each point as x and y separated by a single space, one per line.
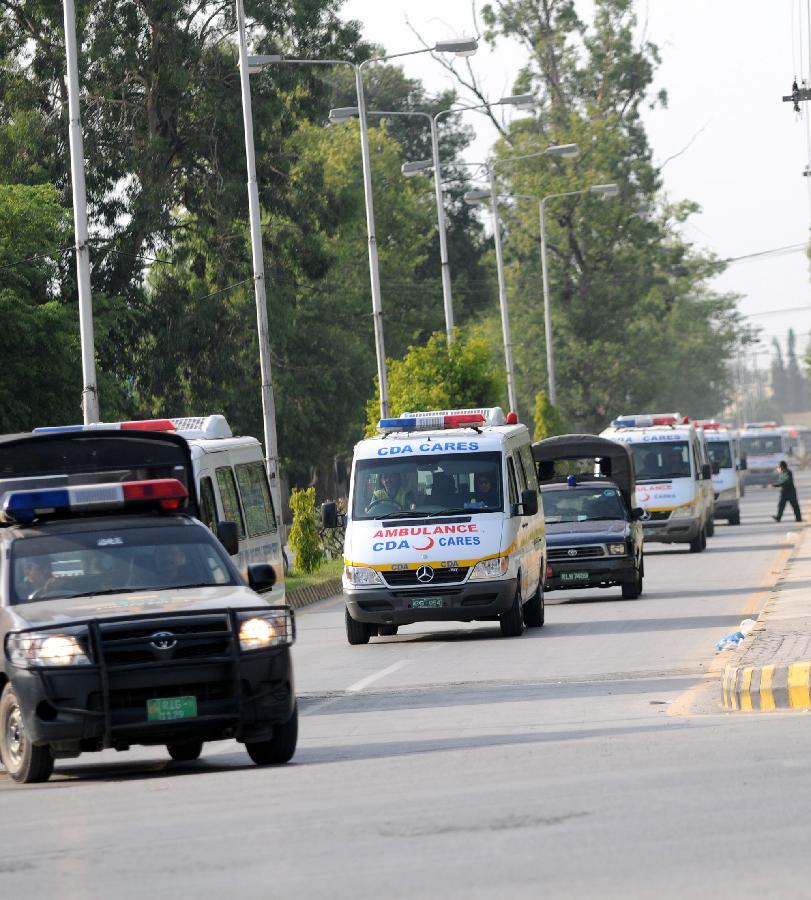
427 485
664 459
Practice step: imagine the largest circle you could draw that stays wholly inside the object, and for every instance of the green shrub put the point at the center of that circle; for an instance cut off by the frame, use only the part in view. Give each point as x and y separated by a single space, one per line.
304 537
549 420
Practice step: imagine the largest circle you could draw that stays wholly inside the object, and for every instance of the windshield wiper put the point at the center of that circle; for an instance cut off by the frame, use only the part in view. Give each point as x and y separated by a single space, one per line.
460 511
402 514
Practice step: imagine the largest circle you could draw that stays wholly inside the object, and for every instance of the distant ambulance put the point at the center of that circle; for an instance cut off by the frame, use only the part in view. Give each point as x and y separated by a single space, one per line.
444 524
764 445
721 444
673 480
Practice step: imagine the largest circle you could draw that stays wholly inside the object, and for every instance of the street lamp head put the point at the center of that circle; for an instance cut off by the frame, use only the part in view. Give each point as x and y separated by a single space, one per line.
563 151
476 196
522 101
343 112
417 167
462 46
605 190
258 63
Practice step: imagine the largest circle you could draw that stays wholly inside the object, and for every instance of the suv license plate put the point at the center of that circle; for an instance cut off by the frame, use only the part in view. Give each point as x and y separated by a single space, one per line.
167 709
426 602
574 576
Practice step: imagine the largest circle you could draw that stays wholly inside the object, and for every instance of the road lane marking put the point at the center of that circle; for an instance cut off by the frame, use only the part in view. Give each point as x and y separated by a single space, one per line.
370 679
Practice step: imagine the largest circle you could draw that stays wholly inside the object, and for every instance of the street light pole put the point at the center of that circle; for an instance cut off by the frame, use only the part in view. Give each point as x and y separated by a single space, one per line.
268 401
90 400
502 293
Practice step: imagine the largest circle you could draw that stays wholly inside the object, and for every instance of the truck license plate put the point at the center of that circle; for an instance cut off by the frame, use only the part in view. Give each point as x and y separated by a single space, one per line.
167 709
426 602
574 576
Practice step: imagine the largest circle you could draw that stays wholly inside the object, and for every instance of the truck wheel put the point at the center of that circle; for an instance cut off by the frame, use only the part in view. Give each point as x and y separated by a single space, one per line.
25 763
633 590
534 609
512 621
711 526
185 751
358 632
387 630
698 543
734 519
280 748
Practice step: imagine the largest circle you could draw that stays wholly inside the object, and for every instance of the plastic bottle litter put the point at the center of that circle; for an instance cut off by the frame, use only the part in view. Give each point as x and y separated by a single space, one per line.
731 641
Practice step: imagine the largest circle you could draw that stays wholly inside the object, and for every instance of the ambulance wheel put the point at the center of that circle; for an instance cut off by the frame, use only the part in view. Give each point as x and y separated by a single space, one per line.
734 519
280 748
387 630
711 526
358 632
534 609
25 763
185 751
512 621
699 542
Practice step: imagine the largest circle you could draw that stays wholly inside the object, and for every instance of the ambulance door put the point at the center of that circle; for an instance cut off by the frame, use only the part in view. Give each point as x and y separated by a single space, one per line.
525 533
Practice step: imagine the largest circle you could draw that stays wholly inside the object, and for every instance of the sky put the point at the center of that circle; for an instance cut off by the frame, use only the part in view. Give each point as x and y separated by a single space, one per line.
726 64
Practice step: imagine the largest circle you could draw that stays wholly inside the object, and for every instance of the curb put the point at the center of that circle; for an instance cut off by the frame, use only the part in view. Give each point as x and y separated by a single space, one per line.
768 687
305 596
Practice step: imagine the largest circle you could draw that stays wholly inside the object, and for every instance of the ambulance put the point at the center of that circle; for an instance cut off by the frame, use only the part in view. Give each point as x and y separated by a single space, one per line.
673 480
725 468
231 482
443 524
764 446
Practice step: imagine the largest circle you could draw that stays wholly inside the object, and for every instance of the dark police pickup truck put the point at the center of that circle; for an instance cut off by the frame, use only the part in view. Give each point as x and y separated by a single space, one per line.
122 618
593 535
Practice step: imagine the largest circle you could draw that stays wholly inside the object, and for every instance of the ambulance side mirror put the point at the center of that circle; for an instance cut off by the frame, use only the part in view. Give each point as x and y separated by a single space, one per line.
715 468
742 464
329 515
706 470
228 536
529 502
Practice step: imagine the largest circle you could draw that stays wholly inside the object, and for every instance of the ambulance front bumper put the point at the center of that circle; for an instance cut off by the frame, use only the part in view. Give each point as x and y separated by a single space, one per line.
449 603
679 531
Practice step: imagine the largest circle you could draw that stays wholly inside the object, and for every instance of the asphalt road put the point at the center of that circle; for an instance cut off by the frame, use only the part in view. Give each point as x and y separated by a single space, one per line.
587 759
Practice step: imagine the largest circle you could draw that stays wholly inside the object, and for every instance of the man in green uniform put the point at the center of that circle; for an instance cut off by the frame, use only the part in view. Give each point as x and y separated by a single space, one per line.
788 493
392 491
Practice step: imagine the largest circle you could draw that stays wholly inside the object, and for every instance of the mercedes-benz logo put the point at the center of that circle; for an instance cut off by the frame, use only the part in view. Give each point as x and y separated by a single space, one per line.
163 640
645 515
425 574
572 552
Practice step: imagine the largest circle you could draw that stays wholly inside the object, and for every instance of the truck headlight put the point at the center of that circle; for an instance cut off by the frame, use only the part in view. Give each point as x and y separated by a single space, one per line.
361 576
616 549
259 632
42 648
683 512
489 568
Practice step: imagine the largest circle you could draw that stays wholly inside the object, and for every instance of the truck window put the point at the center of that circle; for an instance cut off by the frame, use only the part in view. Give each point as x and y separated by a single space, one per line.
208 506
253 486
229 498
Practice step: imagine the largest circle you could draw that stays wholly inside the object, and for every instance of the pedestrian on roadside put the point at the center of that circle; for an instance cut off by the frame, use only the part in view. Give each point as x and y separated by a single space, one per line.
788 492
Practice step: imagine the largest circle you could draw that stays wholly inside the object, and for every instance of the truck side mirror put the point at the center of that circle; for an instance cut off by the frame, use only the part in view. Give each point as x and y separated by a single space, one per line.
261 577
228 535
329 515
529 502
706 470
715 468
742 464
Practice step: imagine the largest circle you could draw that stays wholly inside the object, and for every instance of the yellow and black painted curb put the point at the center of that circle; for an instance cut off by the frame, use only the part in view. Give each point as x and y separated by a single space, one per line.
313 593
764 688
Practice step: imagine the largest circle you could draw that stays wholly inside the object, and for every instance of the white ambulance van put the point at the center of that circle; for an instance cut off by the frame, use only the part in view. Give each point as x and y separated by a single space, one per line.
672 480
725 468
764 446
231 482
443 524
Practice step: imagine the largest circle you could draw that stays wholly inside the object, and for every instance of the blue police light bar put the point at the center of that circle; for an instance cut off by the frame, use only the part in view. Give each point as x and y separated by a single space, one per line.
397 425
647 421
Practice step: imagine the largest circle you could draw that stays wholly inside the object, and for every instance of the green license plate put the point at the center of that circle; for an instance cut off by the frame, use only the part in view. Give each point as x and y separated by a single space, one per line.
166 709
574 576
426 603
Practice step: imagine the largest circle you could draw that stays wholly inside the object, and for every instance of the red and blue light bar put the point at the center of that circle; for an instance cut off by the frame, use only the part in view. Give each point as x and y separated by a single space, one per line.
25 506
432 423
145 425
650 420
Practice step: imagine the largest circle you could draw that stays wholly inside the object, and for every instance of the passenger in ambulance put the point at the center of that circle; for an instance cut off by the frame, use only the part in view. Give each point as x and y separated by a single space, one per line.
486 494
392 490
443 490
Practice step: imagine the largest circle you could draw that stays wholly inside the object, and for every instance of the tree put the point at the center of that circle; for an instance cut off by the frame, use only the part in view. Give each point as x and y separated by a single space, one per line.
548 419
437 376
304 538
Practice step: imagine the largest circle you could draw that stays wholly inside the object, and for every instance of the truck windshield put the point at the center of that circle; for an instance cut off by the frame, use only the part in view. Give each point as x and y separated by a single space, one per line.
720 453
664 459
427 485
582 505
761 446
118 560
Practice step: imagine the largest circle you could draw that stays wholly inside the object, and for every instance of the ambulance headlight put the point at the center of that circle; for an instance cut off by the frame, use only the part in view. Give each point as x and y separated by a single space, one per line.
683 512
616 549
490 568
361 576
